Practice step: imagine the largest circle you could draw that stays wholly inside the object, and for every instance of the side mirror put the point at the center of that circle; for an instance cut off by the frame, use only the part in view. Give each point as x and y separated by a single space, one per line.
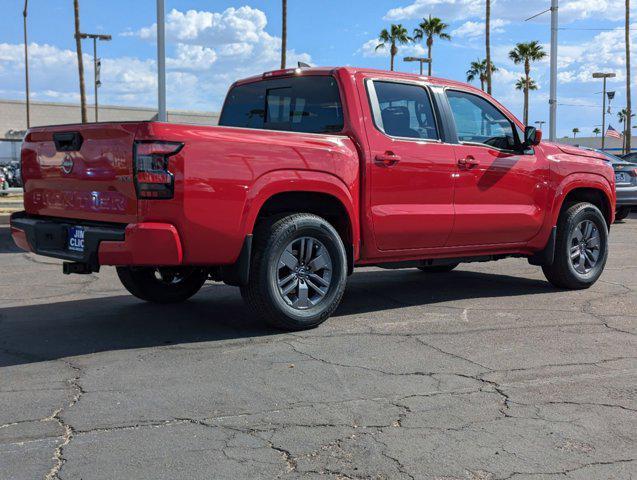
532 136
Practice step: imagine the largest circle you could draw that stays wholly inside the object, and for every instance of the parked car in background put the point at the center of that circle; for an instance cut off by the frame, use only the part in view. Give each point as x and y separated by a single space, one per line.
630 157
311 173
625 183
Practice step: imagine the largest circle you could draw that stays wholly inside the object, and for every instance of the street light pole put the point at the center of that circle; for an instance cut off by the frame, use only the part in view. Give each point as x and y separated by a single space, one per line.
553 68
553 75
161 62
603 76
540 123
421 60
96 62
26 63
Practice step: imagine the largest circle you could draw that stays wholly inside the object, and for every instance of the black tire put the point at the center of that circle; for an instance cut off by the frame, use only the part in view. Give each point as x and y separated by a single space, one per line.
622 213
263 293
162 284
563 273
438 268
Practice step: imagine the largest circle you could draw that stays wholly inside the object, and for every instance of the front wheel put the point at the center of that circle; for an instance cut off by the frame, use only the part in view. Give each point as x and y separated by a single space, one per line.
162 284
298 272
581 248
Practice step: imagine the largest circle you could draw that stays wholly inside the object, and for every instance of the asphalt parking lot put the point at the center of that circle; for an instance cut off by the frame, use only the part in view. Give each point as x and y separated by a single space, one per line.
483 373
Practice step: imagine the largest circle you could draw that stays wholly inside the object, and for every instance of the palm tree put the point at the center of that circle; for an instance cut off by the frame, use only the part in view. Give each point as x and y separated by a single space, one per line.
478 69
624 120
597 131
397 34
525 84
628 99
430 28
575 132
487 24
526 53
284 32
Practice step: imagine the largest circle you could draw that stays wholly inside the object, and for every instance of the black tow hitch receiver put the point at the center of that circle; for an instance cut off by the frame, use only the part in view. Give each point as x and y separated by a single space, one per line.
76 267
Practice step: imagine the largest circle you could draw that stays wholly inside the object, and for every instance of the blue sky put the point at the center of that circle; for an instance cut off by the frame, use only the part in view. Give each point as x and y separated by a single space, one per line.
212 43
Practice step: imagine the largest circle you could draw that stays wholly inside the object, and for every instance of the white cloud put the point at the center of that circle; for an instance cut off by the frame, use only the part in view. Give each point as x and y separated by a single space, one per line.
471 29
452 9
233 25
207 51
192 57
368 49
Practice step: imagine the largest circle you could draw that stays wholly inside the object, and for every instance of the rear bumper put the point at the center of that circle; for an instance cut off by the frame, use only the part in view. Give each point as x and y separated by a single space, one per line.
104 244
626 196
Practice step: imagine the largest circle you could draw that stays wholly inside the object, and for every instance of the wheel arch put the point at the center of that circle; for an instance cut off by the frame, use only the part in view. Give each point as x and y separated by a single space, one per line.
586 188
306 192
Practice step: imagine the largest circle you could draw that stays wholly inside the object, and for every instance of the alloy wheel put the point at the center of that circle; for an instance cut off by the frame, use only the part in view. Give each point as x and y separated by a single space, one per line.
585 247
304 273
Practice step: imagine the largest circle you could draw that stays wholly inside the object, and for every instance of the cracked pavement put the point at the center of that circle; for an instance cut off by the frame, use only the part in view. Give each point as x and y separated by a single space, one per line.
485 373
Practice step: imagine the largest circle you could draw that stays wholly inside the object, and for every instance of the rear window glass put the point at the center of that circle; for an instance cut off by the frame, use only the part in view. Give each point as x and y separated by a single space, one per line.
301 104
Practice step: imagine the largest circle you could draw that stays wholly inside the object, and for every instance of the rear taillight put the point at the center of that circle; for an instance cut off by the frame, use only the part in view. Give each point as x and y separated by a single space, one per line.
153 179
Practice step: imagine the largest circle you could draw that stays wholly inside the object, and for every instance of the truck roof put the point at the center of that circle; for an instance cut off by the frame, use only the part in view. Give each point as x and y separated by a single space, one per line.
354 70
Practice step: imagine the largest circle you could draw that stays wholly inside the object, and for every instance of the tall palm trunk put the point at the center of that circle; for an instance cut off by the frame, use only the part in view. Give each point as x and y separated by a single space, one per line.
430 42
488 44
527 74
80 63
393 51
284 32
26 63
628 99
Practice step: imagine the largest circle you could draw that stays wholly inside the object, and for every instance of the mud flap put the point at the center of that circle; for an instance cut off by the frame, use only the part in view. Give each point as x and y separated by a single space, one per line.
546 256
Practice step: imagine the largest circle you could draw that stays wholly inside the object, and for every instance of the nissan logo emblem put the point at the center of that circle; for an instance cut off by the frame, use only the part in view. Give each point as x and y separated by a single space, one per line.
67 164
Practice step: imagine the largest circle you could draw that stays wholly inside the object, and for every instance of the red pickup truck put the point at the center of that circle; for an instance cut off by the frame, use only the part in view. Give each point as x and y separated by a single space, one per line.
310 173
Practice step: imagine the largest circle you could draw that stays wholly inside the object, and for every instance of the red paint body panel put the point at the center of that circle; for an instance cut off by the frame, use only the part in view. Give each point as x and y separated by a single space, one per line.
425 206
99 186
145 244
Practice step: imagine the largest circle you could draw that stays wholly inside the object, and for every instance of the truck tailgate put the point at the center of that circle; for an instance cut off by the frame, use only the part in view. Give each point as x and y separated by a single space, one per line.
81 172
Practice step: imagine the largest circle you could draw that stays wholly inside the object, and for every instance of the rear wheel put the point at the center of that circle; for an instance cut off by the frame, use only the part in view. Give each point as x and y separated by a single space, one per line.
438 268
162 284
621 213
581 248
298 272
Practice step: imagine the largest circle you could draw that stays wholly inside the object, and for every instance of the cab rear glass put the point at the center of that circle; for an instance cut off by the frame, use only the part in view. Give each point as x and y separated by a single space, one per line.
310 104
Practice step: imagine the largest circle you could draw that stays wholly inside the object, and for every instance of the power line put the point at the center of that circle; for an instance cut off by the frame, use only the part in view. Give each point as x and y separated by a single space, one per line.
577 105
619 29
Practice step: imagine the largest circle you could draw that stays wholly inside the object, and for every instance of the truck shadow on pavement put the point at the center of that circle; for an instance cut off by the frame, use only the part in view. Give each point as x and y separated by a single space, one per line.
56 330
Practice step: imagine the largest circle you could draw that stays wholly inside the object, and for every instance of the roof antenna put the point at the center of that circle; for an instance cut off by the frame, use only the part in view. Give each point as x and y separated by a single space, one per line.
304 65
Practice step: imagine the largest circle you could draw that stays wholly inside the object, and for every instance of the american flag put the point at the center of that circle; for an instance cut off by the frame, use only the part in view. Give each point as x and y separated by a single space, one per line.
611 132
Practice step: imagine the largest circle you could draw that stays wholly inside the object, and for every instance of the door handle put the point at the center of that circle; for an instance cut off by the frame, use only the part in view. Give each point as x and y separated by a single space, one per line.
387 159
468 162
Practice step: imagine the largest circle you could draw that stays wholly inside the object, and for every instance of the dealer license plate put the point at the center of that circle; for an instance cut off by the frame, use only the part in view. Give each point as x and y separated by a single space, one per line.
75 242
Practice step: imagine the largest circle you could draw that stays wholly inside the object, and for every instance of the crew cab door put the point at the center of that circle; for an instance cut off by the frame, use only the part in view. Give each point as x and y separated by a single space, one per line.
501 187
411 179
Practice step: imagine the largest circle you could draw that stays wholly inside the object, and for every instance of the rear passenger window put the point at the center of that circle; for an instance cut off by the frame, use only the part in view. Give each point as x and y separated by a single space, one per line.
404 110
309 104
